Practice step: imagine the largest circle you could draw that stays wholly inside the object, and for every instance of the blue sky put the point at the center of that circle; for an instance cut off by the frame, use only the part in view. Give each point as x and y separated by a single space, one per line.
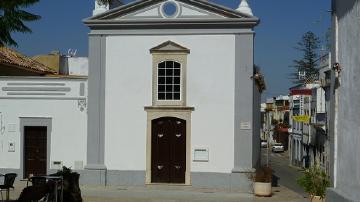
282 24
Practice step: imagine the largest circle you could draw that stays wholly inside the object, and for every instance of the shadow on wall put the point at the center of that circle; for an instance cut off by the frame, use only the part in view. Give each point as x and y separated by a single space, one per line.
342 8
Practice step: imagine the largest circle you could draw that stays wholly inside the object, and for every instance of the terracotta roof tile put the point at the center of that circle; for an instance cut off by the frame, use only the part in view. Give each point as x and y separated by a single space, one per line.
13 58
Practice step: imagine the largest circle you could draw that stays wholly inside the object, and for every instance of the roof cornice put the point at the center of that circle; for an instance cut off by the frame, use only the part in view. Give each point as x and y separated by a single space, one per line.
174 23
233 18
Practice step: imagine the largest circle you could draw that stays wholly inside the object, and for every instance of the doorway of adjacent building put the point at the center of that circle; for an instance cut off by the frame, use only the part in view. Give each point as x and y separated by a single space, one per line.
35 150
168 150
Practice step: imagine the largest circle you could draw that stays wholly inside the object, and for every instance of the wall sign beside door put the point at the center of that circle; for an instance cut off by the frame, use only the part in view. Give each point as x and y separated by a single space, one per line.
201 155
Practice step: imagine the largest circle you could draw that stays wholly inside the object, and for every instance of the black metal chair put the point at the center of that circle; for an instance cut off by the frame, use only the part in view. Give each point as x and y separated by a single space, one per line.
9 180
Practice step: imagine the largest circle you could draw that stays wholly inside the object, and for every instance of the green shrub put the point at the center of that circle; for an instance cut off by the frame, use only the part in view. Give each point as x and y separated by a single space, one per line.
314 181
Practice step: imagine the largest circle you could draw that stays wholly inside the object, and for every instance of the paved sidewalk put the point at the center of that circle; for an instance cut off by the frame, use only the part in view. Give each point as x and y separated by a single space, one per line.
181 194
159 193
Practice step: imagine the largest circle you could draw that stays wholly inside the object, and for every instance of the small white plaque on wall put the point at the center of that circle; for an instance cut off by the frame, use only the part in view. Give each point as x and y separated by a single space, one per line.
201 154
245 125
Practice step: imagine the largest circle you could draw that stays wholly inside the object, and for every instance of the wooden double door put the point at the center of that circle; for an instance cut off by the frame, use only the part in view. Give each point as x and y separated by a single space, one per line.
168 150
35 150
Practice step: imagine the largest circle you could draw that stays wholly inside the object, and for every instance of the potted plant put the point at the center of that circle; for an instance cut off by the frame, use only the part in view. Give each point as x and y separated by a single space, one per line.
262 181
315 181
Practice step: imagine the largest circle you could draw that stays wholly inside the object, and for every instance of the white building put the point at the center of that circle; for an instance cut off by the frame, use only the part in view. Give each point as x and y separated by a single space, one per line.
277 119
310 107
308 117
42 117
68 64
281 108
300 133
172 97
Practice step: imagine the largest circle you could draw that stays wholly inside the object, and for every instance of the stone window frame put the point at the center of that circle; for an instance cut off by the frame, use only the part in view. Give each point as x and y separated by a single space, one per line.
169 51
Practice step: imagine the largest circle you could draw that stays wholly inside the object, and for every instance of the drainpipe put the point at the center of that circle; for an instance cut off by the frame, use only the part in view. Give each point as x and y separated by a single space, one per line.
336 100
335 82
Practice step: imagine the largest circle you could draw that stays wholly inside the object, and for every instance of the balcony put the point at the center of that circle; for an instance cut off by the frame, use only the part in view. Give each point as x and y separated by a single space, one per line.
269 108
319 124
325 82
283 108
283 130
319 120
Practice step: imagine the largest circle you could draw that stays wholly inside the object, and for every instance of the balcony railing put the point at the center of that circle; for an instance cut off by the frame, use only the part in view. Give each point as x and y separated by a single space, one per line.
283 108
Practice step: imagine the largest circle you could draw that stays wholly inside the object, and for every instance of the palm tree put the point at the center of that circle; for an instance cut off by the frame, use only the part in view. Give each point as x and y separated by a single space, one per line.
12 19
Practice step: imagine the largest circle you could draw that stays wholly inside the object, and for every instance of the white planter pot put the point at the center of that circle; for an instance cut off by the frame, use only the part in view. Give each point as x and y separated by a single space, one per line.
316 199
262 188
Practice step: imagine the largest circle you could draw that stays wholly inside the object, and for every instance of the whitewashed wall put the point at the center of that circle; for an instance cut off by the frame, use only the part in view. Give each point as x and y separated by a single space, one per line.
69 132
78 66
210 89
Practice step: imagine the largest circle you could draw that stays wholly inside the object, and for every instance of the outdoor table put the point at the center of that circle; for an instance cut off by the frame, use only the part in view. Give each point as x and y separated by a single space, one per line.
58 181
27 180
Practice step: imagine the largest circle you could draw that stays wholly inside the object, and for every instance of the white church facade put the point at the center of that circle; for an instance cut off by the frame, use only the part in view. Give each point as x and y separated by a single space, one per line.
171 98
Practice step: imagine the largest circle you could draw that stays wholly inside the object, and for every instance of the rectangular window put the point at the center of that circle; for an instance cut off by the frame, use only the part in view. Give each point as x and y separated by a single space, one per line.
169 81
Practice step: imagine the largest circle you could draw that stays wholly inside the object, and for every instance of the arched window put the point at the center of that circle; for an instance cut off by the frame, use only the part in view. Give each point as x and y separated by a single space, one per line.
169 80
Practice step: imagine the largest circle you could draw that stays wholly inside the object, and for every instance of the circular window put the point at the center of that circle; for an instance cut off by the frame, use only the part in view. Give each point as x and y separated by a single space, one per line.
169 9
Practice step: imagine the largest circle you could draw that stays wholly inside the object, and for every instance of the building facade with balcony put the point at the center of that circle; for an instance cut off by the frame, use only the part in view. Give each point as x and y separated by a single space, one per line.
276 120
300 105
310 107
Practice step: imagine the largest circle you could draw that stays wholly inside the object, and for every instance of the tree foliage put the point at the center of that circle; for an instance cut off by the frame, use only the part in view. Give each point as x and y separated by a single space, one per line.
308 46
12 19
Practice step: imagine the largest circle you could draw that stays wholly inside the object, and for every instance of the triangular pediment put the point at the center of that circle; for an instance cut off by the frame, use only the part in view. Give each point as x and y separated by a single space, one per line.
169 46
168 10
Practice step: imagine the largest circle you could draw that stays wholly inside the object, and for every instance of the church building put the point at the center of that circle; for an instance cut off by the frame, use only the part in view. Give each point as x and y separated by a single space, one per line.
172 96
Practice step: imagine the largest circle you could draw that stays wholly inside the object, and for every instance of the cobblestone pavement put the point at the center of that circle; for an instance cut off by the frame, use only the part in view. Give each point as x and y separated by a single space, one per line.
173 194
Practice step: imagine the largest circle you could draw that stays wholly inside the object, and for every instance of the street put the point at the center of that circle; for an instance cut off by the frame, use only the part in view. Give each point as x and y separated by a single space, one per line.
286 175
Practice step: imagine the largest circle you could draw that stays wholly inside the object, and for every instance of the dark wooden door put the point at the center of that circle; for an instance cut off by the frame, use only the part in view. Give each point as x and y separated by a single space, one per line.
168 153
35 150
